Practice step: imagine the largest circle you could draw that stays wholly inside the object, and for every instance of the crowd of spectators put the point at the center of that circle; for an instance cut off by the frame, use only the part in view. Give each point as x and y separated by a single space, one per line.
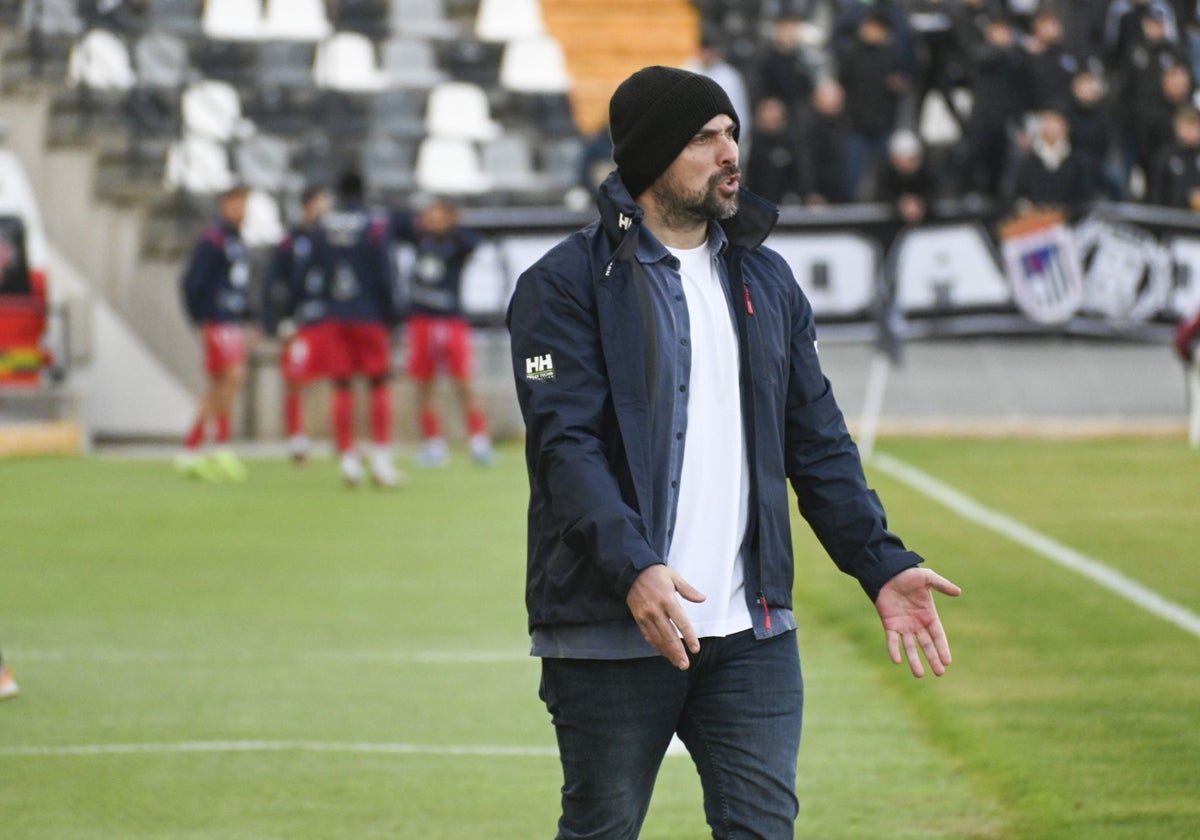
1024 103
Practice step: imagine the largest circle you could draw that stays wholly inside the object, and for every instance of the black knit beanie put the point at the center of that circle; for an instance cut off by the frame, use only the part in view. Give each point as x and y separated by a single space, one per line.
655 113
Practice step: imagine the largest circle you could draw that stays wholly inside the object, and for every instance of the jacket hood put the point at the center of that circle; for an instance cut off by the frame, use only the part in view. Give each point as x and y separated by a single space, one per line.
621 217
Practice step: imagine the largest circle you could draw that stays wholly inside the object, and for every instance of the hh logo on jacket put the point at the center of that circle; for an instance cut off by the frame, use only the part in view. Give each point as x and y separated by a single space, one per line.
539 368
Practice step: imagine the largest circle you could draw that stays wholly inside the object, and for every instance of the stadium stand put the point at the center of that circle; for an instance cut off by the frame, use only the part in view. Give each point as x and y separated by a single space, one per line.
160 104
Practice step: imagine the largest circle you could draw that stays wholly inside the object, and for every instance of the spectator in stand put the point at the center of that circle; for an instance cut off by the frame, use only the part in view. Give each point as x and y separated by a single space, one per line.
783 72
906 180
8 683
295 304
1051 68
711 63
1093 135
999 101
216 286
1156 130
1175 180
438 333
354 253
873 76
823 146
1142 87
1123 28
851 14
775 170
1083 32
1049 174
937 27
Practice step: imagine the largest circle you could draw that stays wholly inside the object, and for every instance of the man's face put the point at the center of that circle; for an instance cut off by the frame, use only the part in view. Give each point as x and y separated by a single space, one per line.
233 208
1187 131
701 184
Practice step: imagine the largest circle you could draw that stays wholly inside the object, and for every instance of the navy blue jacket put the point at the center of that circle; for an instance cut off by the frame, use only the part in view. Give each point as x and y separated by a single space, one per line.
583 342
295 285
353 250
216 283
436 287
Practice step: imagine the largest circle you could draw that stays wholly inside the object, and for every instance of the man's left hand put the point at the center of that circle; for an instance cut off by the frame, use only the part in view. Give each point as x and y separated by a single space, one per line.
910 619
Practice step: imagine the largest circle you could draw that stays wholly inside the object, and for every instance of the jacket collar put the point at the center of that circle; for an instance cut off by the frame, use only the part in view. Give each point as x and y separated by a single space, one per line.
621 218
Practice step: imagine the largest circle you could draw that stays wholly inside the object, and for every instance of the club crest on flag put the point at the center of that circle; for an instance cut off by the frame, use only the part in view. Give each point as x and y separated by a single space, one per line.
1043 266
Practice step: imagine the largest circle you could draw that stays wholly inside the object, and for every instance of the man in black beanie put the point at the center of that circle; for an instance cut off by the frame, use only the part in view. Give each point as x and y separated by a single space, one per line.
666 366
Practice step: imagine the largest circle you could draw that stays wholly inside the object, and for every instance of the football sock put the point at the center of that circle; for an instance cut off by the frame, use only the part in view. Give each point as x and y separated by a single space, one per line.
431 425
293 413
381 414
196 436
343 418
477 423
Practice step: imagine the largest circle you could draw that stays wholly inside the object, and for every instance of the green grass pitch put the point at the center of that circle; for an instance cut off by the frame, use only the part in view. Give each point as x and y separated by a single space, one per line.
290 659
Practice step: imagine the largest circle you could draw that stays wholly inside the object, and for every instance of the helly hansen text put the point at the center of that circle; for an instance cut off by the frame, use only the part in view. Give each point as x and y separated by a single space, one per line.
539 368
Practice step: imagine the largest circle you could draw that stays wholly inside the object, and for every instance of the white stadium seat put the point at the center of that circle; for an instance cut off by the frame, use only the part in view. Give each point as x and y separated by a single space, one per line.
506 20
346 61
232 20
296 20
460 110
100 61
450 166
534 65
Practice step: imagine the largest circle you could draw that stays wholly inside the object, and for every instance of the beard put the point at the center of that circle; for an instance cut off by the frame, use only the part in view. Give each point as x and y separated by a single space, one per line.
681 208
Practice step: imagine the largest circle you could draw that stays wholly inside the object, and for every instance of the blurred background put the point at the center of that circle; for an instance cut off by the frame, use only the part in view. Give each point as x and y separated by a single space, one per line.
990 203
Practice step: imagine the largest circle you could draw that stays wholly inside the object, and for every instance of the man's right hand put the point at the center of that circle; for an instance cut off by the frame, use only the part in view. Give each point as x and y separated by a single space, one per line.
659 614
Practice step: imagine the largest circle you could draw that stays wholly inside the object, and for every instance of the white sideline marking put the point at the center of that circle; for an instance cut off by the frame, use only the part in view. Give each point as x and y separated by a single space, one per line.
486 751
1021 534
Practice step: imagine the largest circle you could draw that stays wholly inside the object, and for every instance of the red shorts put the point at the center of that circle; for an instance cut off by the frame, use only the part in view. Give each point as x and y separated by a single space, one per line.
357 349
438 341
224 347
305 355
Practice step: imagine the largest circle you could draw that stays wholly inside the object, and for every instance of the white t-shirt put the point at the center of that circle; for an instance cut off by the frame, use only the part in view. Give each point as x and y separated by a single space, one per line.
714 486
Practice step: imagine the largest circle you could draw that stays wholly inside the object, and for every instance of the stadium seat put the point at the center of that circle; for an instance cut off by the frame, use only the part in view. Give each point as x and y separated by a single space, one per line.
285 64
508 163
318 162
161 60
421 18
263 162
211 109
560 162
387 166
398 113
534 65
230 61
296 20
411 63
263 225
197 165
282 111
472 60
450 166
100 62
507 20
460 110
178 17
366 16
346 61
233 20
52 17
343 116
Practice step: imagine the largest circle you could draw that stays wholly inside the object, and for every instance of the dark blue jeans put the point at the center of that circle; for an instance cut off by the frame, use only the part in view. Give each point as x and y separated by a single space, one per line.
738 709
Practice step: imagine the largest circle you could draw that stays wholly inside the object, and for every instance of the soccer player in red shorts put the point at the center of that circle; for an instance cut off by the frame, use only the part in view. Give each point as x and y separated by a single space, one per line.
438 333
295 292
215 293
353 247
